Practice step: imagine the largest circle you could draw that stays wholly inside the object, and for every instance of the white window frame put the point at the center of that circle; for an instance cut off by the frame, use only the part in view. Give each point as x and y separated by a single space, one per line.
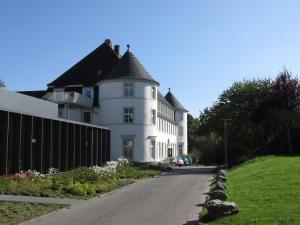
127 153
153 92
180 148
153 116
152 148
128 89
127 114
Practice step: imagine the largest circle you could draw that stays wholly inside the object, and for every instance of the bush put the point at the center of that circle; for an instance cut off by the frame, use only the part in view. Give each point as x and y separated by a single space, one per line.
60 181
102 187
76 189
84 174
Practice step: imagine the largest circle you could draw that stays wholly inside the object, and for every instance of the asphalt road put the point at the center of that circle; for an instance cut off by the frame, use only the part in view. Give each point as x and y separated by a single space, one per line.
171 199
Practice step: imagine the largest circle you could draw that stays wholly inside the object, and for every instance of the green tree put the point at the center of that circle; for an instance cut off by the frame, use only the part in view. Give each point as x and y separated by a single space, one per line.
2 84
281 110
239 104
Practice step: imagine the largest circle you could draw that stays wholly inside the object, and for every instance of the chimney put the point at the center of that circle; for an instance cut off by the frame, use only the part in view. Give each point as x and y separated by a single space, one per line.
108 41
117 50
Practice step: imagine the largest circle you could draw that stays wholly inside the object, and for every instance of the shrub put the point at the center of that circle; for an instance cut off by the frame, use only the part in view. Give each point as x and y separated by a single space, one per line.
76 189
84 174
102 187
131 173
60 181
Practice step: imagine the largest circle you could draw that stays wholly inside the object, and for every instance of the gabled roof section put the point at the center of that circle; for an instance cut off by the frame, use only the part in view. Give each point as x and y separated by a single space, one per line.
129 67
90 69
174 101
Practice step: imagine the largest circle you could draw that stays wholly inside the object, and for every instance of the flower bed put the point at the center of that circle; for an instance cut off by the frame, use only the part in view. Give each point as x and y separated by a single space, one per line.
81 183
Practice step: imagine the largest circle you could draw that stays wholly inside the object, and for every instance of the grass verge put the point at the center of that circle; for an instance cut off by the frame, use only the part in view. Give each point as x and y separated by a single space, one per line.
17 212
267 190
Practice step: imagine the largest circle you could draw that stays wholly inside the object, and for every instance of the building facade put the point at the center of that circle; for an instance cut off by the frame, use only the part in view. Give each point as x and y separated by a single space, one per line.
116 91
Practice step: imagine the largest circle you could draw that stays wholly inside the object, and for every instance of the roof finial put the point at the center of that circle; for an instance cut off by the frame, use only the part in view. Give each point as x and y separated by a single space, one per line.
169 89
128 47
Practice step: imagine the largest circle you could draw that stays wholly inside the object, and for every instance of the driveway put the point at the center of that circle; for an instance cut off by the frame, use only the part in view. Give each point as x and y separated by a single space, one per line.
171 199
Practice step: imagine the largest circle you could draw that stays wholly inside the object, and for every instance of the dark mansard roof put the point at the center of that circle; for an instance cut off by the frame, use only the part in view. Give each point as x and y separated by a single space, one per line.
90 69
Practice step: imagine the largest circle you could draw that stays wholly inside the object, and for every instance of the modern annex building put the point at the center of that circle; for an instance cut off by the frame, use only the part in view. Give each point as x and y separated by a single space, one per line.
115 91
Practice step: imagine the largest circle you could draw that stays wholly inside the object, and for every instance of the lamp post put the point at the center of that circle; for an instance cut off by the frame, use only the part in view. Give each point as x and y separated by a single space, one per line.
226 141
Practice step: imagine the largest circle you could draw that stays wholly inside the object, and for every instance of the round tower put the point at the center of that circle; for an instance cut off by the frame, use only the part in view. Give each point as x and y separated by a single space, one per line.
128 106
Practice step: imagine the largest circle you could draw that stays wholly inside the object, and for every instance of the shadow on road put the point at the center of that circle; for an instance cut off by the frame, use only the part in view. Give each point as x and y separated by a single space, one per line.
194 222
191 171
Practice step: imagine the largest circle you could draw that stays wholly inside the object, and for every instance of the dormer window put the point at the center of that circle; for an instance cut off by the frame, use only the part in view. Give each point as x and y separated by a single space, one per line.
128 89
87 92
60 90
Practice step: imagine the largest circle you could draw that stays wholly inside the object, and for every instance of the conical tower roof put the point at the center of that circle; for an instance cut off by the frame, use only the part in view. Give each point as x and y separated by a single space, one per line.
174 101
129 67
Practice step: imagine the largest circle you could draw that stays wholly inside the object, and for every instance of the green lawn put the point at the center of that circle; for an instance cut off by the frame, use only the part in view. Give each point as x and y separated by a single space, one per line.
267 189
81 183
16 212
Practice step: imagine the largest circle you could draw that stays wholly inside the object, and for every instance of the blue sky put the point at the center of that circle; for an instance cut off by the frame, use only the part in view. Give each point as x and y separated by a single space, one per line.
196 47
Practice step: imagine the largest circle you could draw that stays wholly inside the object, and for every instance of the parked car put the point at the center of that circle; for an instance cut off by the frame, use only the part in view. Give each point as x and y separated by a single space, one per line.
186 160
178 161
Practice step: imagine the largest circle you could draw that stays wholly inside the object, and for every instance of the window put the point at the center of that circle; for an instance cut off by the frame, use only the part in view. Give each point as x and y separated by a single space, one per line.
153 116
160 150
152 149
179 116
180 131
180 149
128 148
128 89
128 115
59 90
87 117
87 93
153 92
60 113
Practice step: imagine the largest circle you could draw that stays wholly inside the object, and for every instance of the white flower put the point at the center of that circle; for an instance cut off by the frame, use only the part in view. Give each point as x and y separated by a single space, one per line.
53 170
109 170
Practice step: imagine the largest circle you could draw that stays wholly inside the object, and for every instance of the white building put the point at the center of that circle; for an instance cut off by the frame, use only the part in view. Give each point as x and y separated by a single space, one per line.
116 91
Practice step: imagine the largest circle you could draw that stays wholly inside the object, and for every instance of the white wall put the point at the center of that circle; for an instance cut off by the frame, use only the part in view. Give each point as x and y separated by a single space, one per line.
181 117
112 103
21 103
163 138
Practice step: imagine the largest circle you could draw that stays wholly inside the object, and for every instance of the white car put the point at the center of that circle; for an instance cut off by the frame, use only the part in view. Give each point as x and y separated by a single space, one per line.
178 161
174 161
